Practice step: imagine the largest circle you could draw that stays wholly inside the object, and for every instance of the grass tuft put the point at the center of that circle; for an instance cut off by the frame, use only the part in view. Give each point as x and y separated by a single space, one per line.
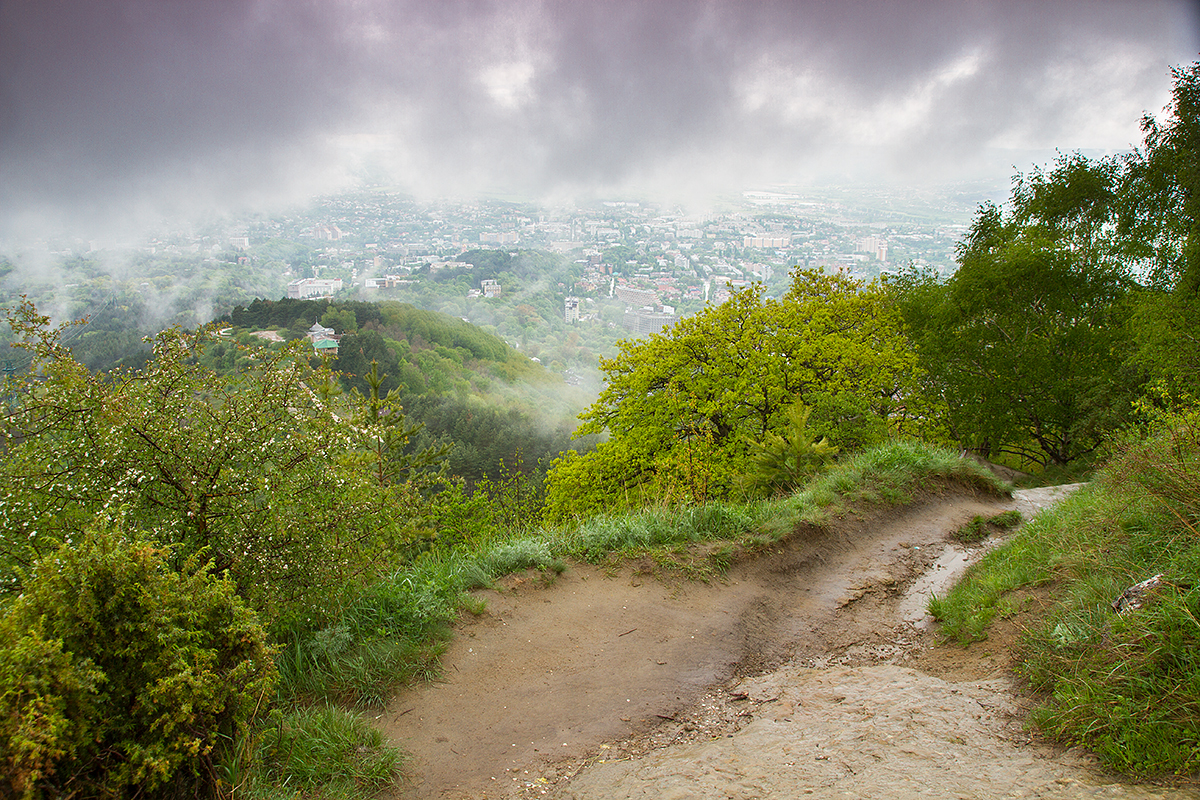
521 554
981 527
318 751
603 539
889 475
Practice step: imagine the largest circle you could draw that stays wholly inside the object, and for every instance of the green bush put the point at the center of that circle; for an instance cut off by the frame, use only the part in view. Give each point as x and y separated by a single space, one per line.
783 462
120 675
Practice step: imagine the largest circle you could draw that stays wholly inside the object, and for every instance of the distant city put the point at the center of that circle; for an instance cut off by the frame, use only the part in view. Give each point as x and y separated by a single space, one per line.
605 269
673 262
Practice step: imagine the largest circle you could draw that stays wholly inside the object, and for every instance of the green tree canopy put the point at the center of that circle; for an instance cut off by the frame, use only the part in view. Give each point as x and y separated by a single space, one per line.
683 407
1025 346
1160 195
1159 224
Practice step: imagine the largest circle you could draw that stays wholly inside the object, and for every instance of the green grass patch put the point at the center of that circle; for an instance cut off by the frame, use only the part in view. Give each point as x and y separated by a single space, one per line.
967 611
505 558
393 633
981 527
312 752
889 475
606 538
1126 685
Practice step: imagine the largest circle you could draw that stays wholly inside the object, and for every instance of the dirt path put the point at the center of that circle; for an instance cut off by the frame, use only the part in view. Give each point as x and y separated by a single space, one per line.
808 670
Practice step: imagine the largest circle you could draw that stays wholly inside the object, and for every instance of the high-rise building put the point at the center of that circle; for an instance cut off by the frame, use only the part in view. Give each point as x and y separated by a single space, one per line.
636 297
644 321
877 246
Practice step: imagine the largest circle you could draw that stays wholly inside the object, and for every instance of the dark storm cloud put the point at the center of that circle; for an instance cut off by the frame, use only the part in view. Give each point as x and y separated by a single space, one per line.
132 106
115 99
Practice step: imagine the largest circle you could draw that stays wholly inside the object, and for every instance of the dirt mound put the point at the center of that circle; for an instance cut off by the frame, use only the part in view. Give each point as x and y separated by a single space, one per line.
622 685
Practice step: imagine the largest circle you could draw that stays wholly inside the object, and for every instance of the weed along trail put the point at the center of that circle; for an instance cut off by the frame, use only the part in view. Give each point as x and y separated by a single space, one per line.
805 672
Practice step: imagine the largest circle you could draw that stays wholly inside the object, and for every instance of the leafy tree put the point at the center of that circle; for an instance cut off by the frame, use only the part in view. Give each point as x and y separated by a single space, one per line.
724 379
241 466
611 478
1025 346
1159 224
297 330
1160 194
342 320
1165 327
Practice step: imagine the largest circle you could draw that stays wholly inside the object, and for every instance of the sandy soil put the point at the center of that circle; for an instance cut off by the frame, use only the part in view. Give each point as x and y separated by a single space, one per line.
811 670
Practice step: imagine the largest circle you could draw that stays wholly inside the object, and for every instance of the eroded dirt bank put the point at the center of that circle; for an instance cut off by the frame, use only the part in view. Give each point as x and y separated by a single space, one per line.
806 672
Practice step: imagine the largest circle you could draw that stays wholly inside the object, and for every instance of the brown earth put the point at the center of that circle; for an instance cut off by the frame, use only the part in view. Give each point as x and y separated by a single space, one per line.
809 670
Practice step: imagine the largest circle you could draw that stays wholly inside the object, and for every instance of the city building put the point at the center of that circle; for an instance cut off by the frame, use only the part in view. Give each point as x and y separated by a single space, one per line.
319 332
323 340
875 245
636 297
387 282
326 347
770 242
330 233
644 321
309 288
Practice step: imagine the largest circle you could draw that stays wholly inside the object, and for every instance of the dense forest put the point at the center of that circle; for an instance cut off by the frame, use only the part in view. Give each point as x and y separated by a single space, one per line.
227 533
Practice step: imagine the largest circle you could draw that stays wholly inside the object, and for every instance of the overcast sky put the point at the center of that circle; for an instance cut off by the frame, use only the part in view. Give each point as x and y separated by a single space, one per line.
128 109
